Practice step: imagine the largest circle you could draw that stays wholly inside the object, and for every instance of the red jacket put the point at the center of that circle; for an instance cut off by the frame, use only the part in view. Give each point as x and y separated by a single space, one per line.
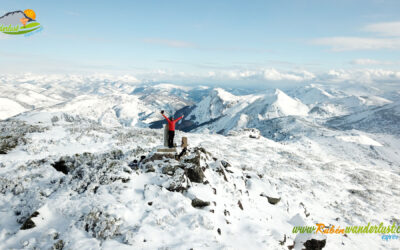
171 124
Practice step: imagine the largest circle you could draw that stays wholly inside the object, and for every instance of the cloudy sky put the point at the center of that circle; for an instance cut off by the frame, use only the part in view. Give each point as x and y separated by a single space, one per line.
239 42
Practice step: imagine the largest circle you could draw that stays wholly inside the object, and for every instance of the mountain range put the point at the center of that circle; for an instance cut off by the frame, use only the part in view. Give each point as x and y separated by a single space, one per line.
80 165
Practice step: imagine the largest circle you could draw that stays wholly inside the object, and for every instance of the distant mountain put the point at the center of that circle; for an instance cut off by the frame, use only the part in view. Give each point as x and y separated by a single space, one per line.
111 110
125 101
9 108
81 169
166 97
222 111
328 101
384 119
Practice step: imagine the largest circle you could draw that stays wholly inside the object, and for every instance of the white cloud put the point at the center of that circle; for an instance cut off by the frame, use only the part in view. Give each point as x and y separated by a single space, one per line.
260 75
169 43
366 61
361 76
358 43
274 75
389 29
257 77
387 36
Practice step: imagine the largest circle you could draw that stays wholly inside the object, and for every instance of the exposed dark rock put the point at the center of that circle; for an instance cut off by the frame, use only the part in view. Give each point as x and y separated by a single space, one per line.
15 187
55 119
28 224
314 244
283 241
182 153
221 171
169 170
194 160
116 154
149 168
240 205
219 231
7 144
134 164
127 170
124 180
226 212
13 133
59 245
202 150
178 182
200 203
306 213
55 236
101 225
195 174
60 166
157 157
271 200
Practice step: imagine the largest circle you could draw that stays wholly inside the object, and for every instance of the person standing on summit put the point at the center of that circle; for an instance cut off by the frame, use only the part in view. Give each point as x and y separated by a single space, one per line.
171 128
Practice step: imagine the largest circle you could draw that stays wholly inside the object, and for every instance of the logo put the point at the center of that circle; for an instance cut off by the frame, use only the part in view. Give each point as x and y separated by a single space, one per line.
19 23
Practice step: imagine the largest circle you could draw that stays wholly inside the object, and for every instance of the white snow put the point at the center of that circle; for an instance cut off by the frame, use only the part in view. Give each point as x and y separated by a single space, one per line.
9 108
342 172
360 139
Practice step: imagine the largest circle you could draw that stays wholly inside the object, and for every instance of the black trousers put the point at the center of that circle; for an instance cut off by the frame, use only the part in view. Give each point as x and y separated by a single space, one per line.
171 135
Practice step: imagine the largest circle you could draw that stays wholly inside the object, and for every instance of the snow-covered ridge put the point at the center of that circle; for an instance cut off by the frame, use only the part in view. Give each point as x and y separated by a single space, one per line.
82 184
235 112
112 110
124 101
79 168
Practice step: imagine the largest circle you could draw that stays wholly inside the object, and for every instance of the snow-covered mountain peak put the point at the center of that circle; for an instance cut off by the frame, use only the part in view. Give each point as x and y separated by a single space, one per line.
78 170
223 95
283 105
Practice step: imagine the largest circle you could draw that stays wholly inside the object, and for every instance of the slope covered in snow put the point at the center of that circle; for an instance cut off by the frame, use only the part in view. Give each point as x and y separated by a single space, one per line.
329 101
112 110
384 119
39 91
81 170
9 108
222 111
80 184
168 97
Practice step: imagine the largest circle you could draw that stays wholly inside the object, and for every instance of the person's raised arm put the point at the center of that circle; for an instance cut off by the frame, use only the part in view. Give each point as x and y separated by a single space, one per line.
179 118
162 113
